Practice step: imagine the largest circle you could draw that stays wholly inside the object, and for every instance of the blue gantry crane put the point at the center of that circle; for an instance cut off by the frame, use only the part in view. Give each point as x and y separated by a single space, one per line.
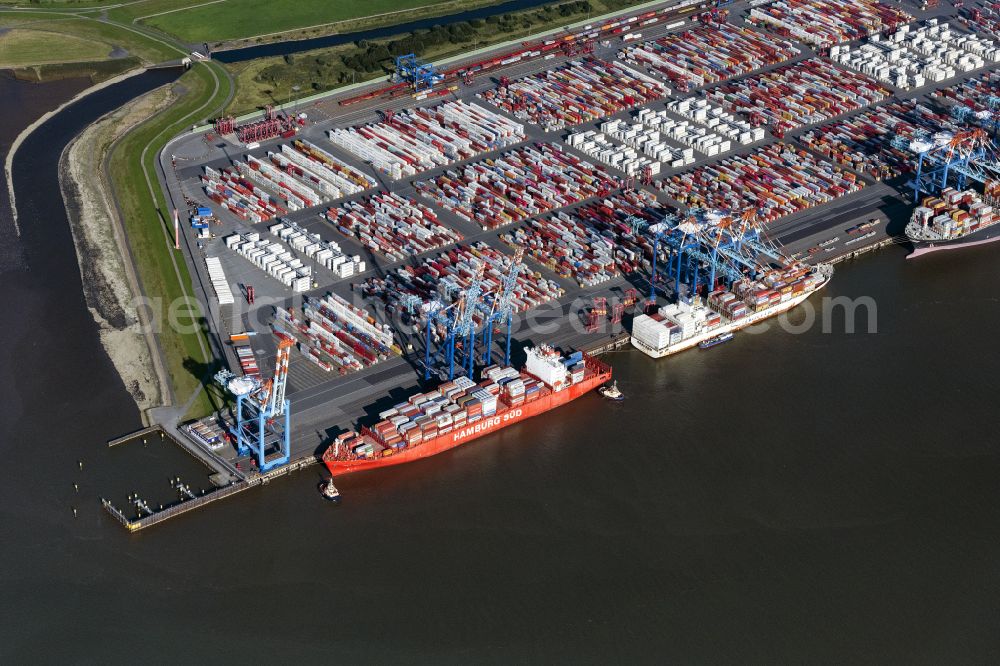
705 244
421 75
455 322
501 310
259 407
957 157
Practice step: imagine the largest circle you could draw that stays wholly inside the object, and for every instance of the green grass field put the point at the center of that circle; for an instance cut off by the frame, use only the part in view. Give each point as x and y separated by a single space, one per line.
236 19
103 35
23 46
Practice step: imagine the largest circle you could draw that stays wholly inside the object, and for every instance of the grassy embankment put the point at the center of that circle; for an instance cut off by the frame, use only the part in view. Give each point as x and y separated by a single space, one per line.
272 80
164 274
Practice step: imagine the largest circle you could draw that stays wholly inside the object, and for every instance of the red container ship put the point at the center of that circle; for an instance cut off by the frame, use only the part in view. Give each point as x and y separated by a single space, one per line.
460 411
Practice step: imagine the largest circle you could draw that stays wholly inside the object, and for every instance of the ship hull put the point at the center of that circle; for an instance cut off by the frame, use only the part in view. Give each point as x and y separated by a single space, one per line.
731 327
468 433
990 234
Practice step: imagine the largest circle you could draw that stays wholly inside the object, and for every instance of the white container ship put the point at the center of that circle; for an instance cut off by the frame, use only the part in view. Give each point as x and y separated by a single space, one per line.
680 326
954 219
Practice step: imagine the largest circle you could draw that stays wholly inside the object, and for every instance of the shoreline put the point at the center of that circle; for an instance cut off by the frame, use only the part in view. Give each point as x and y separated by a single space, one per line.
26 132
110 284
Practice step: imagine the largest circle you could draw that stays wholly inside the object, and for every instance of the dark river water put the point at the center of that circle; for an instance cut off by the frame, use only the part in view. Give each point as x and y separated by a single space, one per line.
822 497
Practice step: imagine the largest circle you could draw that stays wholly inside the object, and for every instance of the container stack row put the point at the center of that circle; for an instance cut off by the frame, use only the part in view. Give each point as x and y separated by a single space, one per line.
219 281
947 50
983 21
979 95
826 22
273 259
807 92
567 247
392 225
888 60
717 119
240 196
444 277
865 142
579 92
295 194
248 362
708 54
332 179
327 254
699 138
596 242
648 137
334 165
519 184
776 180
336 336
420 139
601 148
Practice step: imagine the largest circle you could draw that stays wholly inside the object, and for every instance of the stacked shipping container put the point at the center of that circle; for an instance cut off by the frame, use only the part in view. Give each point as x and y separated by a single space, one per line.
865 142
594 243
240 196
392 225
980 95
333 334
519 184
807 92
420 139
707 55
776 180
327 254
827 22
579 92
443 277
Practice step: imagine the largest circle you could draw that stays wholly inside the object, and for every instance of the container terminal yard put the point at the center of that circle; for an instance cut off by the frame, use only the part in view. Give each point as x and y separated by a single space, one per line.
325 236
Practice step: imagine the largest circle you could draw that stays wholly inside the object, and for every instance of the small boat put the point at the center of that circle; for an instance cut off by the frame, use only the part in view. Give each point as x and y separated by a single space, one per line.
612 392
330 492
717 340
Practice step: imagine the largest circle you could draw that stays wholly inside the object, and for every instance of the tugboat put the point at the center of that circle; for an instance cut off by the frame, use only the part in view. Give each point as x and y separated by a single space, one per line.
612 392
330 492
